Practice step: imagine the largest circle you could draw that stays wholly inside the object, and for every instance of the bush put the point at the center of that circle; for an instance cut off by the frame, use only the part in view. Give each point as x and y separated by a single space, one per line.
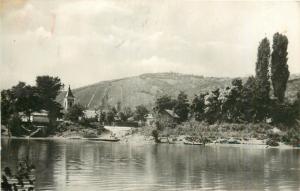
75 112
89 134
272 143
292 137
155 136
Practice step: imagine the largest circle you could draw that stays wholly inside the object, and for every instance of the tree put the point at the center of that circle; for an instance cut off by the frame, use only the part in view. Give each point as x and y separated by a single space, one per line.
20 98
262 67
102 117
7 106
182 106
48 88
140 112
212 106
279 68
119 106
255 106
114 110
284 112
155 135
122 116
248 99
110 117
198 106
127 112
232 102
262 80
296 106
14 125
75 112
164 102
25 98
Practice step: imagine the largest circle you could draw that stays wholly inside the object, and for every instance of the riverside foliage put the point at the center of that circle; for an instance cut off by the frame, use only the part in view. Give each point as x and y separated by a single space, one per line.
249 102
27 99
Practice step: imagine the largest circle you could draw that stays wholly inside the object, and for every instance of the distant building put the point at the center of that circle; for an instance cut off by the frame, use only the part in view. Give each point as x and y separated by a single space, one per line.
40 117
169 116
150 119
35 117
69 99
90 114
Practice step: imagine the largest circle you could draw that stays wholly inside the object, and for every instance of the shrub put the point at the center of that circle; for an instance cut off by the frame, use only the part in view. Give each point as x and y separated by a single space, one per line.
292 137
75 112
89 134
155 135
272 143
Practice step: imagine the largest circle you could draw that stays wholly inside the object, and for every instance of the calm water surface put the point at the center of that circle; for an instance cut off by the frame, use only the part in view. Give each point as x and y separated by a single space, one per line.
86 165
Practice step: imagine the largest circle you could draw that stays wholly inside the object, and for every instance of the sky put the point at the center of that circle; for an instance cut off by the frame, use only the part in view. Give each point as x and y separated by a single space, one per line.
87 41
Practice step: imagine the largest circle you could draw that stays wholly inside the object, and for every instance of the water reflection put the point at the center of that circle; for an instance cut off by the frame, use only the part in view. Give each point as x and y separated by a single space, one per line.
82 165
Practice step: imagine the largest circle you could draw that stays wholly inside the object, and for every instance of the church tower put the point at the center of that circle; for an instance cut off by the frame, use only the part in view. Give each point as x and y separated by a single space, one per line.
69 99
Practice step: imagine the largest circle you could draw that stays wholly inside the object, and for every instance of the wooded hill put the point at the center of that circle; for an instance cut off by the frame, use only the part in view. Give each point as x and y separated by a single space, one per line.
145 88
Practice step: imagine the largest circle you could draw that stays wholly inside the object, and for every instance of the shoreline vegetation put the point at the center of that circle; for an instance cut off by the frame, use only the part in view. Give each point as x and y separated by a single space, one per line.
255 111
191 133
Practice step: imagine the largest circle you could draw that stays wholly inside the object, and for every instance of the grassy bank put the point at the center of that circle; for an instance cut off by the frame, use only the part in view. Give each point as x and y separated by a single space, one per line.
71 129
210 133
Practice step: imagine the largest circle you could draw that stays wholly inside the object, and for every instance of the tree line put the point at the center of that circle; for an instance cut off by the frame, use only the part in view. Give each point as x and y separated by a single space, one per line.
109 114
251 101
28 99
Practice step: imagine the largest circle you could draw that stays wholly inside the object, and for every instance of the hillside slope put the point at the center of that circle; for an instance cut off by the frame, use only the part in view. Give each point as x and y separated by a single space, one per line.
144 89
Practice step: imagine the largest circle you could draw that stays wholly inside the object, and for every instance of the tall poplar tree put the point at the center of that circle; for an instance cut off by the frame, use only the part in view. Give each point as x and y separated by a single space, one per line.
262 80
262 67
279 68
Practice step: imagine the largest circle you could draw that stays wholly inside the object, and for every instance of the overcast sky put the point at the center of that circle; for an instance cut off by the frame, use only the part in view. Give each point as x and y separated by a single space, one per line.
87 41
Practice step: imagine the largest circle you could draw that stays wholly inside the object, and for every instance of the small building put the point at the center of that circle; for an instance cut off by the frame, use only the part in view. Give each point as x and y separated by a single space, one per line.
90 114
169 116
40 117
35 117
150 119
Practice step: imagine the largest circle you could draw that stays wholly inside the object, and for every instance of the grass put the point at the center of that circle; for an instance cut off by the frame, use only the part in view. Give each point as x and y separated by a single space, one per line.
68 129
258 131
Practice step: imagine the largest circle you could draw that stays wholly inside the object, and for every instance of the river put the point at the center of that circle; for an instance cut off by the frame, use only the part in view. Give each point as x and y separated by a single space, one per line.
90 165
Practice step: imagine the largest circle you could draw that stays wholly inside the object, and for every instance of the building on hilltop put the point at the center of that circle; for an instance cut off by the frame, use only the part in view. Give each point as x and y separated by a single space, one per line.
69 99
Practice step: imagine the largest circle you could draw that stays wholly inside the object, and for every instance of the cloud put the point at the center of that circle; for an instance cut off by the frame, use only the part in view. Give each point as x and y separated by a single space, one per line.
100 40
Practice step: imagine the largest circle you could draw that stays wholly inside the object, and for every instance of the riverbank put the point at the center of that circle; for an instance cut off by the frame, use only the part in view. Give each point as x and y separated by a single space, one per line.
138 139
234 135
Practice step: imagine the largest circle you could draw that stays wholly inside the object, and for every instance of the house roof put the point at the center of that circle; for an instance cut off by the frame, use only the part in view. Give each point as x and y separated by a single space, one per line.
171 113
41 113
149 116
69 93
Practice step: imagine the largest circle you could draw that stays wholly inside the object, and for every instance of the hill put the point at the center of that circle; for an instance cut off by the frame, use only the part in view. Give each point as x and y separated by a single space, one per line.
145 88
